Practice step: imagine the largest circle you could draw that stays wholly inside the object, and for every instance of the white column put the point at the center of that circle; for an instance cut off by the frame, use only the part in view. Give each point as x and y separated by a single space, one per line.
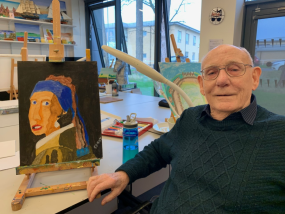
229 30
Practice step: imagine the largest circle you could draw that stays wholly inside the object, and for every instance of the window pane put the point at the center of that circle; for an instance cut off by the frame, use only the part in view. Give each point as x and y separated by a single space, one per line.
270 56
187 39
184 24
105 24
138 22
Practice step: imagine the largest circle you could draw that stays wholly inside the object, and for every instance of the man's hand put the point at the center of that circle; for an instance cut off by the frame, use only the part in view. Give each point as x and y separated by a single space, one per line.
117 182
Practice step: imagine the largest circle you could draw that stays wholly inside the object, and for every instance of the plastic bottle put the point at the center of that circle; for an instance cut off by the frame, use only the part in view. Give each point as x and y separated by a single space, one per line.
115 89
130 138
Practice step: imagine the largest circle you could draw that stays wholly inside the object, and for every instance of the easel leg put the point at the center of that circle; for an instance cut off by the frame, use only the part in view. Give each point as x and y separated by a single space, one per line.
20 197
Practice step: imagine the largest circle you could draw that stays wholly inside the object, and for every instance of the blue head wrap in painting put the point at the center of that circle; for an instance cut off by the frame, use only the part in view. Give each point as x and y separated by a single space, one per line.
64 96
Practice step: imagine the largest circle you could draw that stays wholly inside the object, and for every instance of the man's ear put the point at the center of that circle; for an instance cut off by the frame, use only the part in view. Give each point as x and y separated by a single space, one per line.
200 81
256 77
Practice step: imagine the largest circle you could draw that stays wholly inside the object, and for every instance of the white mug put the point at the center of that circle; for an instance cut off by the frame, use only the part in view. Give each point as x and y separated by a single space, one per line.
108 89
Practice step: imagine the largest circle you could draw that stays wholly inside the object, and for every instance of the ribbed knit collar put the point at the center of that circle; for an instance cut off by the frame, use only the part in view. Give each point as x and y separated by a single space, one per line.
248 114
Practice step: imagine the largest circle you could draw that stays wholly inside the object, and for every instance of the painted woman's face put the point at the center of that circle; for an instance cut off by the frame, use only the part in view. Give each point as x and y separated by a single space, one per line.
44 112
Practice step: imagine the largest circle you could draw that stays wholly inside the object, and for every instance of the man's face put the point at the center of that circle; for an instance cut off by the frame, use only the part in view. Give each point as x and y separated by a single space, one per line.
228 94
44 112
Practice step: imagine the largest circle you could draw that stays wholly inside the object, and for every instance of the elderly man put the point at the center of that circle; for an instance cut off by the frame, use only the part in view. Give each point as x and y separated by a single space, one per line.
227 156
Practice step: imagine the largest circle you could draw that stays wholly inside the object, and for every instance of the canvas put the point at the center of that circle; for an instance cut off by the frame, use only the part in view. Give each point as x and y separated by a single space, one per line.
185 76
59 112
33 32
7 6
7 35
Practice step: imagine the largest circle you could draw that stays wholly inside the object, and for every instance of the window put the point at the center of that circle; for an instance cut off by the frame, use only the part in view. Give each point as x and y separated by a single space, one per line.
179 36
186 54
140 39
187 39
194 40
185 16
193 56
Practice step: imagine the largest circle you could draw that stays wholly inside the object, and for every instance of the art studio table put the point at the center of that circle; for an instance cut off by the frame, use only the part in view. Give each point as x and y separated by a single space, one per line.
144 106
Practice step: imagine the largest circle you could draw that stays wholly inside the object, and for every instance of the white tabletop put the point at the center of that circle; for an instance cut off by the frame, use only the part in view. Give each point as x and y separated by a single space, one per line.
144 106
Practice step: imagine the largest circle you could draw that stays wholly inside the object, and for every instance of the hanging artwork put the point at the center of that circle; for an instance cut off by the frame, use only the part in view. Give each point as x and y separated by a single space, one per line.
33 32
185 76
217 16
59 113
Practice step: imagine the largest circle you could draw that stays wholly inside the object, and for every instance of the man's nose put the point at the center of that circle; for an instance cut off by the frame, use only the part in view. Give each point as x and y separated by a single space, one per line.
223 78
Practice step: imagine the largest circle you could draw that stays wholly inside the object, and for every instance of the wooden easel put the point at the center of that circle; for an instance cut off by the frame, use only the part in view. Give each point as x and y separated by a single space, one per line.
24 54
24 190
177 51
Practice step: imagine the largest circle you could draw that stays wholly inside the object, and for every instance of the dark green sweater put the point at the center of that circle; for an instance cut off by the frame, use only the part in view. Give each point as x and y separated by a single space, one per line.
224 166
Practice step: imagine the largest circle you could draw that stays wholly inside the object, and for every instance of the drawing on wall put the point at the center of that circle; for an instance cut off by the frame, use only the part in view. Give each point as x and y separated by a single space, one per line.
33 32
185 76
46 10
8 6
48 33
7 35
59 112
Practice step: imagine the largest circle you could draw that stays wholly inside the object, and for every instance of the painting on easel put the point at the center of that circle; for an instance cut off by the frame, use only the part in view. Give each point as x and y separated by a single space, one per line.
185 76
59 112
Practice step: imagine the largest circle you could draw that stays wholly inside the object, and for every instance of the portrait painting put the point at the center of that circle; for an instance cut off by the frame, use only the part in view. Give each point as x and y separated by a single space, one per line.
59 112
185 76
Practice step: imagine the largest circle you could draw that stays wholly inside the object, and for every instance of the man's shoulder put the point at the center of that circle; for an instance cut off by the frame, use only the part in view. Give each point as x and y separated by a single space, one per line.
196 110
265 115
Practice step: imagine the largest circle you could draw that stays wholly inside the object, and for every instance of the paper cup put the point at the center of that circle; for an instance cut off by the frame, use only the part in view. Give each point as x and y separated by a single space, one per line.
171 122
108 89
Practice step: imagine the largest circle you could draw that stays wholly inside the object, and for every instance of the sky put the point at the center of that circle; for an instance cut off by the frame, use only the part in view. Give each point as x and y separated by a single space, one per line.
29 28
189 14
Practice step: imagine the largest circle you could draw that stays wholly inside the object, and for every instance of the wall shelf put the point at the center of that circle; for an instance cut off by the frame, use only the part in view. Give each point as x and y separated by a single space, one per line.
36 43
32 22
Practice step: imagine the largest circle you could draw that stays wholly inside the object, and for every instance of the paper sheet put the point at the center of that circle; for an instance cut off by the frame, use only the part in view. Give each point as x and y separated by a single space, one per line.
7 148
10 162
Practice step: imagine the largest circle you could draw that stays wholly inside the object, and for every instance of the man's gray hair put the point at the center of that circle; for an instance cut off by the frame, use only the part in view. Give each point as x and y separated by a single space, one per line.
248 54
241 48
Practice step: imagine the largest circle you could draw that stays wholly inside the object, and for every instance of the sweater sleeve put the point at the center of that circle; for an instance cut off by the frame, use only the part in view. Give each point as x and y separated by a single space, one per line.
153 157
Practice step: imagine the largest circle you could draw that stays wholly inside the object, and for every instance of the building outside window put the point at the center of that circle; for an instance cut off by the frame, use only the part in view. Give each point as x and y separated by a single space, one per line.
179 36
185 20
187 39
193 56
194 40
186 54
144 55
144 33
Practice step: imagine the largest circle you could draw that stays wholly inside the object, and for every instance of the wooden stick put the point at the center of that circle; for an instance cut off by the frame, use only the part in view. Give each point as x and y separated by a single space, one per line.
177 51
172 115
20 197
56 50
24 50
88 56
12 79
187 60
111 63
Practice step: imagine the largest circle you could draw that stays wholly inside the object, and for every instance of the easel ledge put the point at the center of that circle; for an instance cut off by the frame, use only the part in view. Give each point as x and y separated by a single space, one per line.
57 166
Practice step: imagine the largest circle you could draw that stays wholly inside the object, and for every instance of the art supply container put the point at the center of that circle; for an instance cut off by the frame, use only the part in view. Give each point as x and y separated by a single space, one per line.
115 88
130 138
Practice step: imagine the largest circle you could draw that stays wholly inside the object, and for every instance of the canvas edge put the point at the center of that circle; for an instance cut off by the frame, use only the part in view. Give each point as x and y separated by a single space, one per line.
57 166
